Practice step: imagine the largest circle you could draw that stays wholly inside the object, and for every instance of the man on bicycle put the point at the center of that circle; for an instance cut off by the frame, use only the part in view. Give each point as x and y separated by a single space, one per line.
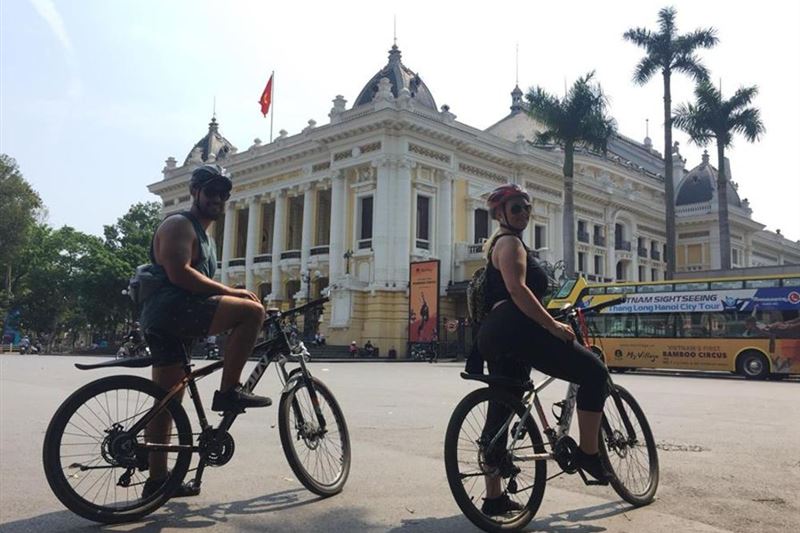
189 303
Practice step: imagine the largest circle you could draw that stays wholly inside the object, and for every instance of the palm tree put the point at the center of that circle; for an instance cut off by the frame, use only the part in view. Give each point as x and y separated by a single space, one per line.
669 52
712 117
578 120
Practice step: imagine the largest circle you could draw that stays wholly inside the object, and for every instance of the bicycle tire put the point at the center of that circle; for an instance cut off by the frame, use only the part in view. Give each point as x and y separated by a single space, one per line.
617 453
55 470
292 434
465 502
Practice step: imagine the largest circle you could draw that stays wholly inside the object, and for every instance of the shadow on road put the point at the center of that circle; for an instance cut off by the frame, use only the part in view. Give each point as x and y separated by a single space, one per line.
568 521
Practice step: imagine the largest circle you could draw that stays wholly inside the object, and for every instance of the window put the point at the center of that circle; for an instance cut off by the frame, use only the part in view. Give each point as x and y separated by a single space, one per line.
726 285
655 288
481 225
267 223
618 290
760 283
620 325
423 222
598 265
698 286
582 261
365 223
323 223
241 233
619 232
264 290
642 273
596 290
539 233
620 271
656 325
791 282
294 229
654 274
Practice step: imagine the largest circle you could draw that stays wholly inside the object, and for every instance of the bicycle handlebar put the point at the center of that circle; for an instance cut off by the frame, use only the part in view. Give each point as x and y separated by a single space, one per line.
561 314
296 310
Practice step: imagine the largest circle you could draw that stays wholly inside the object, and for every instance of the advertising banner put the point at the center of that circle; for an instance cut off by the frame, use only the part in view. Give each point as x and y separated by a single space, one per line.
423 301
774 298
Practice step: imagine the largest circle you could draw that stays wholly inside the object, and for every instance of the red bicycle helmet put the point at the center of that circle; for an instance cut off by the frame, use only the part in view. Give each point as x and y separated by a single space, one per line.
505 193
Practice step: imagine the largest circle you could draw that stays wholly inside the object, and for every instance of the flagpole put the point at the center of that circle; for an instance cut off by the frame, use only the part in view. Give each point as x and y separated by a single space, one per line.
272 103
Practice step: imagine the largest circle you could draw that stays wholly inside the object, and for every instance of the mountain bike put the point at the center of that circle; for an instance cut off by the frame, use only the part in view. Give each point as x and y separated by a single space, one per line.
96 453
517 455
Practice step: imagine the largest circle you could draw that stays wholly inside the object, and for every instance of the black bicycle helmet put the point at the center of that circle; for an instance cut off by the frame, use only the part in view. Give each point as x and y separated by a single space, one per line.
207 174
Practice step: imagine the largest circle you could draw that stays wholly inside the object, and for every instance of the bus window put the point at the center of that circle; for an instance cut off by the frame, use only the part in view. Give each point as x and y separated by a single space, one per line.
690 325
618 290
791 282
716 324
596 290
566 288
760 283
656 325
726 285
620 325
654 288
696 286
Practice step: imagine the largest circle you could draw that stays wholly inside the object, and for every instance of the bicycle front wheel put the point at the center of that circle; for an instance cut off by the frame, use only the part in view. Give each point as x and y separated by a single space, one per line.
317 448
473 463
96 466
629 449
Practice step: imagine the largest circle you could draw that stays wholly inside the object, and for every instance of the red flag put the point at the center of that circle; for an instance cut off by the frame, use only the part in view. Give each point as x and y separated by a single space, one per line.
266 97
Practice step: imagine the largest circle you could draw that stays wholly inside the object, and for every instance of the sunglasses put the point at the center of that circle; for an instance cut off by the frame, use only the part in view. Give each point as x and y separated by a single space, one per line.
516 209
222 194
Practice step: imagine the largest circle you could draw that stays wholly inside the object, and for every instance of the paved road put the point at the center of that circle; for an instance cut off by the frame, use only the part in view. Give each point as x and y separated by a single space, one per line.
728 450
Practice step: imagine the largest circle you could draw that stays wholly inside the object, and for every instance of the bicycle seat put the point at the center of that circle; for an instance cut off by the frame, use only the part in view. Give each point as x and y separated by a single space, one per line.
135 362
499 381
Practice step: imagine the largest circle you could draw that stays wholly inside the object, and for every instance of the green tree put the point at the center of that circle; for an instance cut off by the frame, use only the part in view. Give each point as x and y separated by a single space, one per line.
130 236
579 119
19 205
712 117
669 52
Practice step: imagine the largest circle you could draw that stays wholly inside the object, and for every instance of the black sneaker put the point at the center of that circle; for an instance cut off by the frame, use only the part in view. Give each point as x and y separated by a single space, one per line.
592 465
237 399
500 505
184 490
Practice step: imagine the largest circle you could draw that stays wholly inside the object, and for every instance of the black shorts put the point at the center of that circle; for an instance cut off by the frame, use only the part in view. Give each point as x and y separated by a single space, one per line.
173 323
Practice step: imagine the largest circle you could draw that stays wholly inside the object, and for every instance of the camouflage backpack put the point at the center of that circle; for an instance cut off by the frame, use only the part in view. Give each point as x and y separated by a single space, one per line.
477 305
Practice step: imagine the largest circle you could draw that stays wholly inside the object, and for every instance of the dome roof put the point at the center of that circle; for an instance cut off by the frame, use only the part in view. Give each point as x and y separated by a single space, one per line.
400 77
212 147
699 186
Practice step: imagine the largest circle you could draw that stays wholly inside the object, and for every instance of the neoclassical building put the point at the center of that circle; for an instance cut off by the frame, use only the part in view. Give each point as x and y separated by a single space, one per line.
393 179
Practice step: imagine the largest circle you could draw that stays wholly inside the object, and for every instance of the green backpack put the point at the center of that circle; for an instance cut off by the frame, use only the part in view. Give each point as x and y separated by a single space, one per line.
477 304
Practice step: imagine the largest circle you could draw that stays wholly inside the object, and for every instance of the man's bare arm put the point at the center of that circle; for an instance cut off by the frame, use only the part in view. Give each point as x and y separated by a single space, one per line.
174 242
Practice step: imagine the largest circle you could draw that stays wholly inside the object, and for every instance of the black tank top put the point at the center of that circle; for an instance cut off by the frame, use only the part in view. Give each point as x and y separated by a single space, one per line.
535 277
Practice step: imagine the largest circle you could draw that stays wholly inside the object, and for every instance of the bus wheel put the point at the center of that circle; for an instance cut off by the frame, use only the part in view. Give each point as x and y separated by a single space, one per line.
753 365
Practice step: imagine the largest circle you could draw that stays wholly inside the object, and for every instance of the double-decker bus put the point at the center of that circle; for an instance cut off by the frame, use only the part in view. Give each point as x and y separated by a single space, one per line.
746 325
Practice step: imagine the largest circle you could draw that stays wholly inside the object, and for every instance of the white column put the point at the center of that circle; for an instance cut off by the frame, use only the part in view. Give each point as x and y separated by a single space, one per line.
401 223
380 227
253 232
227 239
305 247
611 255
278 236
444 228
338 212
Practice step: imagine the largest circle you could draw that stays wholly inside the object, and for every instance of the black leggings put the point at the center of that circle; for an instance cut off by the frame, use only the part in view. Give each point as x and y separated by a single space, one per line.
507 333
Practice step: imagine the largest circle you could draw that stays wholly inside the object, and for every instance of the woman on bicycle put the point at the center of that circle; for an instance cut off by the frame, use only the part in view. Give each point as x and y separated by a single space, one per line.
519 333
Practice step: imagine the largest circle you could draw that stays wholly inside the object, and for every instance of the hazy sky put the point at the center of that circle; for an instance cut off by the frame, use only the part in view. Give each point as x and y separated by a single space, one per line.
95 95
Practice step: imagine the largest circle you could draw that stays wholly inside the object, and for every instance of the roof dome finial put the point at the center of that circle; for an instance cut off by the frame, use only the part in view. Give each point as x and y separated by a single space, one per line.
394 55
516 99
705 157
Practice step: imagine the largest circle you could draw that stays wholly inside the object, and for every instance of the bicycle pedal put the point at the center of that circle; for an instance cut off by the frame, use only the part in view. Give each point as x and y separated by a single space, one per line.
588 481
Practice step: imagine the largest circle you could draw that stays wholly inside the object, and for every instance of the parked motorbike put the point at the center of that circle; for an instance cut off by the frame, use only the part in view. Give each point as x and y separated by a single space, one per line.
130 349
212 351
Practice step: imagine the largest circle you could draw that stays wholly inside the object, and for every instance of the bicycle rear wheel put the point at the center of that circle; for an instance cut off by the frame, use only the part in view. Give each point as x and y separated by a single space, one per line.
629 453
470 463
95 466
319 454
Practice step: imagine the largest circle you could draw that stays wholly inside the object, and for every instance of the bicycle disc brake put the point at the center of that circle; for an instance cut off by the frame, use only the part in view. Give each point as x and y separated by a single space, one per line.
564 454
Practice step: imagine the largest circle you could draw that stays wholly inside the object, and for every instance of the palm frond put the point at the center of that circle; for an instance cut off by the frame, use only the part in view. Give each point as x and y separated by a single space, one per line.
639 36
748 123
645 70
700 38
666 20
690 64
742 97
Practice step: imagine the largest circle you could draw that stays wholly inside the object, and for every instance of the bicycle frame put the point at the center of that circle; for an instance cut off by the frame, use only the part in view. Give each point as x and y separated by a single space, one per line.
276 348
567 405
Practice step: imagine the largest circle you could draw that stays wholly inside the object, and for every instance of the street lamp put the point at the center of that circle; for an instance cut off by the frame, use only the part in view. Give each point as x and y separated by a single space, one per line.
347 255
